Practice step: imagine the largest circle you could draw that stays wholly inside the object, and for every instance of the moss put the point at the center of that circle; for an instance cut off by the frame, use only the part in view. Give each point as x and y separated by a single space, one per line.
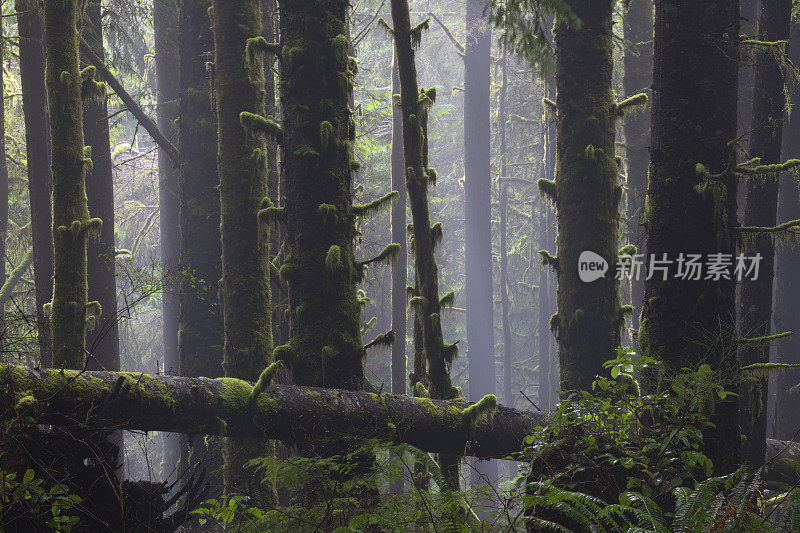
257 46
377 206
387 255
485 406
236 393
254 123
284 353
265 379
549 260
450 352
548 189
437 232
272 215
288 271
417 31
385 340
637 101
549 105
448 299
327 135
333 259
325 211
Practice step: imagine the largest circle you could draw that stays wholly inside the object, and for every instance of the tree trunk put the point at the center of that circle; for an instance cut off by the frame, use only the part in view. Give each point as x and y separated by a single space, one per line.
70 306
200 335
102 339
427 306
282 412
399 236
165 20
37 147
547 240
691 202
761 204
242 156
586 193
3 202
477 204
325 346
638 29
478 213
787 277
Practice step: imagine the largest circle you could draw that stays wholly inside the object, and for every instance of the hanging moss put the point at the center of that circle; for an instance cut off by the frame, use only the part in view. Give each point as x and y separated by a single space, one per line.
549 105
265 379
387 255
385 340
448 299
333 259
549 260
547 188
377 206
255 123
638 101
91 90
256 46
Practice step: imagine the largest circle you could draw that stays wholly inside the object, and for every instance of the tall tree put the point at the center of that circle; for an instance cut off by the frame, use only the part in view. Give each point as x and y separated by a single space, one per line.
477 203
103 338
787 275
761 204
400 236
325 346
425 301
478 210
691 200
70 308
638 31
3 196
200 335
165 32
547 364
242 156
586 192
37 147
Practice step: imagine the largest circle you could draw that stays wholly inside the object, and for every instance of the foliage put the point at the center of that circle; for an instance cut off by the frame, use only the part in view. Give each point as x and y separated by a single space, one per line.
28 499
642 451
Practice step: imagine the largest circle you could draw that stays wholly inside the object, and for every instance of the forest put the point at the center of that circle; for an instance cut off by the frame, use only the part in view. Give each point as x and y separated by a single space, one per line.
400 266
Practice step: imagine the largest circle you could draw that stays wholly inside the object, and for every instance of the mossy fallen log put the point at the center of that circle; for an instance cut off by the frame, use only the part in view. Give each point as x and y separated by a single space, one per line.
225 406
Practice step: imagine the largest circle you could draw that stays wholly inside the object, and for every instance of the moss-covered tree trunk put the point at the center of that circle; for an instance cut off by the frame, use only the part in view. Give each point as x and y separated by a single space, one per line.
761 204
37 147
242 156
71 223
3 200
787 275
325 346
103 338
586 192
638 29
400 236
691 200
200 335
425 301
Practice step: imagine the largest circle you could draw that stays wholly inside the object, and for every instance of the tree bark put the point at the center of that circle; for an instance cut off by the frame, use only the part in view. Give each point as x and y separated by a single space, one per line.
399 236
787 277
102 340
165 20
37 147
290 413
477 204
761 204
691 201
70 306
325 346
638 30
547 363
242 157
3 201
200 334
586 193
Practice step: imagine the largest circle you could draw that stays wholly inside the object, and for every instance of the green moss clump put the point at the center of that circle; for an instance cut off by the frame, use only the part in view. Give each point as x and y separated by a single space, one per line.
486 405
325 211
333 259
377 206
547 188
283 353
265 379
253 123
448 299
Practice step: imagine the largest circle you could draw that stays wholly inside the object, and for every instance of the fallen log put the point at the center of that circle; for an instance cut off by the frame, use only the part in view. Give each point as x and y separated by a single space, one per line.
283 412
